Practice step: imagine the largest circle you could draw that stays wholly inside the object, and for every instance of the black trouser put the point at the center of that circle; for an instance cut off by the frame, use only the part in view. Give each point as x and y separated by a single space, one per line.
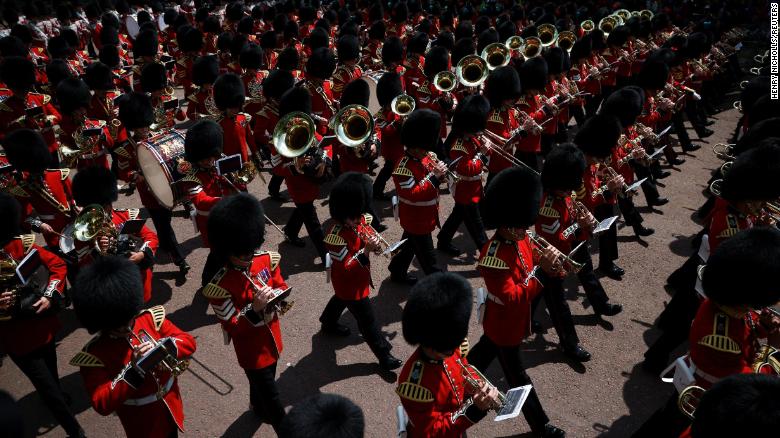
420 245
275 185
306 214
679 128
161 218
382 177
511 361
608 247
668 421
264 395
694 115
468 213
547 141
627 208
364 315
649 187
40 366
592 105
578 112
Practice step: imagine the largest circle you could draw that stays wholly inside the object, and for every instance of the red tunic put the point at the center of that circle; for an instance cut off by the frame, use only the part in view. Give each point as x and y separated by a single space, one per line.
105 366
611 55
350 274
418 195
506 267
257 338
205 188
556 216
102 107
13 115
413 75
50 200
502 122
302 188
265 123
428 96
200 104
725 222
20 336
322 103
469 169
343 75
534 109
98 146
551 92
253 85
389 135
237 135
183 75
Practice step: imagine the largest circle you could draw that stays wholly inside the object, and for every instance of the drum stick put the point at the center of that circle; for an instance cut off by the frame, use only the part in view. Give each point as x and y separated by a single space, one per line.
268 219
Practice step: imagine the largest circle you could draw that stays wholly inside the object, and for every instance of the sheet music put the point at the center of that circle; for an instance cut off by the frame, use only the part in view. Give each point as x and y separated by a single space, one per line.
605 224
515 398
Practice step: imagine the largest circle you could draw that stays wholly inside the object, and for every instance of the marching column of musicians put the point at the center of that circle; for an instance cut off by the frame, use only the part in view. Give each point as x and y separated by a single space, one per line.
474 103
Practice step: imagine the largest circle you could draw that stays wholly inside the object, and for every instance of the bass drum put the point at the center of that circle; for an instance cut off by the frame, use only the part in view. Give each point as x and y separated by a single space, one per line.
132 26
162 163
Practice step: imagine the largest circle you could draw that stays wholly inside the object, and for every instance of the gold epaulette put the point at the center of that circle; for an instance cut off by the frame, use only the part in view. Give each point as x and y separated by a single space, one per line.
464 347
547 211
84 359
192 177
367 218
732 224
193 97
122 152
458 146
335 239
719 339
490 260
274 256
411 389
495 117
401 169
214 292
18 191
522 101
158 315
27 241
133 213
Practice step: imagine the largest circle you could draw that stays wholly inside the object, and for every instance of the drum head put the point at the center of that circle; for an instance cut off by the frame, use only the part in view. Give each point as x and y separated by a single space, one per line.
155 175
161 23
66 240
132 26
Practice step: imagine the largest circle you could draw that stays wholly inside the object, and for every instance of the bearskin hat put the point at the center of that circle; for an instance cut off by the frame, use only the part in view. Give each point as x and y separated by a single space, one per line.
471 115
136 111
554 56
57 71
485 38
599 135
678 43
348 48
12 46
238 44
581 49
522 186
388 87
329 415
754 89
533 74
377 30
246 25
170 16
109 36
10 220
625 104
503 84
436 60
321 64
234 11
288 59
109 55
17 73
400 13
653 75
349 195
229 92
698 44
251 57
392 51
268 40
597 40
307 14
765 107
99 76
277 83
437 312
203 140
619 36
417 44
421 130
94 185
660 21
107 294
563 168
146 44
154 77
295 99
318 39
764 129
189 39
529 31
506 29
464 29
27 151
73 94
755 174
291 30
236 225
205 70
445 39
463 48
58 47
356 93
748 262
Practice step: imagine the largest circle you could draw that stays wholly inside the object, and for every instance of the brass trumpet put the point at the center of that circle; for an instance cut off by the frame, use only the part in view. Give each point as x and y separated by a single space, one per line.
366 233
566 40
445 81
579 210
475 379
688 400
277 303
547 34
533 47
471 71
724 151
435 160
496 55
563 262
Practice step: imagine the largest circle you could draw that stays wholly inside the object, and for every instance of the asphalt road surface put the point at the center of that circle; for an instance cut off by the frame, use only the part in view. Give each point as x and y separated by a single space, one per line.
608 396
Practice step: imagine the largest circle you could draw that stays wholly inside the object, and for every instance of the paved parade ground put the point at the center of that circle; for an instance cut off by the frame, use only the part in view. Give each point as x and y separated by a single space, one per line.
609 396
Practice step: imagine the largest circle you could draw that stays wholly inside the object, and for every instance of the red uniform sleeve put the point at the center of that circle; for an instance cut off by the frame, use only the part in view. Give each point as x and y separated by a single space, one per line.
57 271
107 392
185 343
149 238
433 423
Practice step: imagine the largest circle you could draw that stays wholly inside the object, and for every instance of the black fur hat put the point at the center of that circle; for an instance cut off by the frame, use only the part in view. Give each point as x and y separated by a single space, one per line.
17 73
581 49
57 71
236 225
748 262
229 92
421 130
251 57
349 195
400 13
94 185
237 45
653 75
471 115
189 39
27 151
755 174
109 36
109 55
765 107
619 36
277 83
698 44
348 48
154 77
599 135
377 31
512 198
99 76
506 29
107 294
485 38
318 39
417 44
321 64
762 130
146 44
533 74
356 92
554 56
205 70
463 48
288 59
563 168
664 55
58 47
502 84
464 29
10 220
12 46
246 25
437 312
136 111
436 60
203 140
295 99
445 39
597 40
625 104
392 51
73 94
291 30
388 87
323 415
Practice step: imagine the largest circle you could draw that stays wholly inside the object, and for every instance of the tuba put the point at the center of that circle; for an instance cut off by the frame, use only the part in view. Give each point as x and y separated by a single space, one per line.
646 14
587 26
688 400
402 105
547 34
496 55
92 224
533 47
515 42
294 134
445 81
471 71
353 125
608 24
624 14
715 187
566 40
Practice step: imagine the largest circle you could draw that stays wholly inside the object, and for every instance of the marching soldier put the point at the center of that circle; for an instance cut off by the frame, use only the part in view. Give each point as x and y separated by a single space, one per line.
200 102
154 81
319 68
533 76
417 177
431 385
229 97
515 271
351 241
361 158
28 321
121 365
389 123
190 44
503 89
414 75
145 48
348 69
89 139
241 295
253 75
102 104
274 86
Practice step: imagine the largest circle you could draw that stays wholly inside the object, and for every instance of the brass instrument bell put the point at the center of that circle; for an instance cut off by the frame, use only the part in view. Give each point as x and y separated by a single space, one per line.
624 14
587 26
445 81
608 24
402 105
294 134
533 47
471 71
353 125
496 55
566 40
515 42
547 34
93 223
724 151
688 400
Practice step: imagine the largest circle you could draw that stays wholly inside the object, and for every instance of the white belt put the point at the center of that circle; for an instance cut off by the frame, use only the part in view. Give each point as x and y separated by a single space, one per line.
494 299
705 376
151 398
95 155
470 178
419 203
202 212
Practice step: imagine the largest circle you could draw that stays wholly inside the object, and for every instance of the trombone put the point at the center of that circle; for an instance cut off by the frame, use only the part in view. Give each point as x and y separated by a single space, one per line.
496 55
471 71
563 263
168 361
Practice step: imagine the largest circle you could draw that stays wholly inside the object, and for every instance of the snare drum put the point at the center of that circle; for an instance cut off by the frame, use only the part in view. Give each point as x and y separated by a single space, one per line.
162 163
